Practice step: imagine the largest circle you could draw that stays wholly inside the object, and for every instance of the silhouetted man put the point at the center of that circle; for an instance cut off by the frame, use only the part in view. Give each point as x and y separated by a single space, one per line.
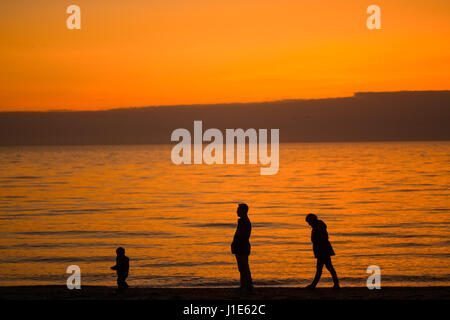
241 247
122 266
322 250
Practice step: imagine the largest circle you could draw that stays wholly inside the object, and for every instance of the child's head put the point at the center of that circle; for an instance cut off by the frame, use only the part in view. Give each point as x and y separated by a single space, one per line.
120 251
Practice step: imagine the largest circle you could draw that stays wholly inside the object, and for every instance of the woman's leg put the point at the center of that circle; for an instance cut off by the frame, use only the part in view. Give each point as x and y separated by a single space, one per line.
319 267
330 268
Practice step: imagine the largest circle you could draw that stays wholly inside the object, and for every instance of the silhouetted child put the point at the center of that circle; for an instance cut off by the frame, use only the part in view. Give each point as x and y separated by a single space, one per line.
322 250
122 266
241 247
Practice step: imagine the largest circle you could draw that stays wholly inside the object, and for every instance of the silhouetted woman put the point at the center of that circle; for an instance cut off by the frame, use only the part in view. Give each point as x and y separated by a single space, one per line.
322 250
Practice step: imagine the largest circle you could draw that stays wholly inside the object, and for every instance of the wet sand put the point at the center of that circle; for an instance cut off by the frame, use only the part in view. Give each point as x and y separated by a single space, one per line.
260 293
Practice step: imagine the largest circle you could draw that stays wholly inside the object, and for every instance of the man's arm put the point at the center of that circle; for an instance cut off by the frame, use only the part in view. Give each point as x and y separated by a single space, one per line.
236 238
239 232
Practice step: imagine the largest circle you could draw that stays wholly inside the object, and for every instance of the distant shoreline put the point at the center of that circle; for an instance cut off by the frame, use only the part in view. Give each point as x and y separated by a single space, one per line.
48 292
357 94
394 116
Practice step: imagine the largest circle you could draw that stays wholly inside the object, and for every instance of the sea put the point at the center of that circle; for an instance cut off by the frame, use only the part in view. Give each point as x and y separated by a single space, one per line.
386 204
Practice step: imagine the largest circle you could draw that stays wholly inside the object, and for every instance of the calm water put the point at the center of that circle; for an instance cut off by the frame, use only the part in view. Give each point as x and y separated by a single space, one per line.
385 204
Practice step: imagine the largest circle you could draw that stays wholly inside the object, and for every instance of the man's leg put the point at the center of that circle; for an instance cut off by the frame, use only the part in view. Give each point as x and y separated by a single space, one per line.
330 268
239 265
246 271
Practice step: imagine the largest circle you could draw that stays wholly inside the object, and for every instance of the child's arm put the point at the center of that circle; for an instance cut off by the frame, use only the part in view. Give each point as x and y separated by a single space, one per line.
122 265
114 267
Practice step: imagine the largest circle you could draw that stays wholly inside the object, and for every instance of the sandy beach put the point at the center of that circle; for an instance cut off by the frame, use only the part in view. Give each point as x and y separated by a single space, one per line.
220 294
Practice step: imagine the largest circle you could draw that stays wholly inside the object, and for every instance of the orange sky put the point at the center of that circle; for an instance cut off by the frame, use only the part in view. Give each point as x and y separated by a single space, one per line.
162 52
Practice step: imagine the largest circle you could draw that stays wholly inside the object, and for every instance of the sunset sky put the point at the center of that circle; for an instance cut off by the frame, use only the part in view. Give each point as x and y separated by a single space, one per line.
164 52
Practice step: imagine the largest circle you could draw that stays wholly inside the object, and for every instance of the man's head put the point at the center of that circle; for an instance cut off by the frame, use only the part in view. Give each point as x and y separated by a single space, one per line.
120 251
311 219
242 210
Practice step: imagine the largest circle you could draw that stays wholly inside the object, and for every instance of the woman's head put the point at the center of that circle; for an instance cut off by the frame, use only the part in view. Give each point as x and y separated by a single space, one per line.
311 218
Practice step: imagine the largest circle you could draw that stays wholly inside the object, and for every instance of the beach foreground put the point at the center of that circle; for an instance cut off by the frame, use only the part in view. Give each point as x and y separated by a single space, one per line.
261 293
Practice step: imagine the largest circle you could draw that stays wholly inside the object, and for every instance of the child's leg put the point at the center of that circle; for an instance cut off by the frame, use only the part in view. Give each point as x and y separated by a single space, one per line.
121 283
